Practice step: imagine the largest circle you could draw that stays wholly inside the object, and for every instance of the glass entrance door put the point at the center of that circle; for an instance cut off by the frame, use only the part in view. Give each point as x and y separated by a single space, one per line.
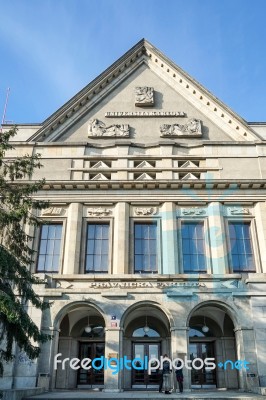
91 377
140 378
202 378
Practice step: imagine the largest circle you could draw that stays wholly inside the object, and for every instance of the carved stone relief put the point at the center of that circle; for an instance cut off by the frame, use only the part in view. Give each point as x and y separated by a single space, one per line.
53 211
193 211
142 211
144 96
99 128
238 211
99 212
191 128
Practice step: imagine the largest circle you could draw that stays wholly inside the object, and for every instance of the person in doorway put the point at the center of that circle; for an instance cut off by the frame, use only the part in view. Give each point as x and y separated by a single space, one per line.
179 376
165 377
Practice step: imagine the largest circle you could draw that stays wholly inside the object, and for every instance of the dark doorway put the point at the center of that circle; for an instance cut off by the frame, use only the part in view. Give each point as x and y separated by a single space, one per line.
140 378
202 378
91 377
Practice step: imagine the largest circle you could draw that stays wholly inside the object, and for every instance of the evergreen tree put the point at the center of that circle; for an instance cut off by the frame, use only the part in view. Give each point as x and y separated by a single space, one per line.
16 292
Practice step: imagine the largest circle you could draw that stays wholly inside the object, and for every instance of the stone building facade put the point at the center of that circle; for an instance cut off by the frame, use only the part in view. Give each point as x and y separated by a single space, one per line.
155 239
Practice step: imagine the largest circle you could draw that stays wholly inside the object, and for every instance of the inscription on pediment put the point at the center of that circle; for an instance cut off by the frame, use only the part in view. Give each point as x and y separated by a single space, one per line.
99 128
144 96
190 129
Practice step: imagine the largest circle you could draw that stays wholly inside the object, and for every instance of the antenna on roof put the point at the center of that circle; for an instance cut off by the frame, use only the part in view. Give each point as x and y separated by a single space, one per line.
5 108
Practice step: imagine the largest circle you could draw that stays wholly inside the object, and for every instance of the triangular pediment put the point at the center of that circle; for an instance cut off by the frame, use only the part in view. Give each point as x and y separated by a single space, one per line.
144 177
189 177
188 164
99 177
100 164
144 164
145 98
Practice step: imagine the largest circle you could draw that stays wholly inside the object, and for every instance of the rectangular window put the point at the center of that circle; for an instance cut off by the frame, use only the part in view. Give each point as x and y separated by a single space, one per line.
241 252
49 249
193 247
97 249
145 248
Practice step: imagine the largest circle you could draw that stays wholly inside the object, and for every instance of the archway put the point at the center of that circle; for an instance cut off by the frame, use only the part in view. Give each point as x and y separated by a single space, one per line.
81 335
146 335
211 335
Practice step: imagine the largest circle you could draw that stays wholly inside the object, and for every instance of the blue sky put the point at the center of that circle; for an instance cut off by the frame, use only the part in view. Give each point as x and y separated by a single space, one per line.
50 49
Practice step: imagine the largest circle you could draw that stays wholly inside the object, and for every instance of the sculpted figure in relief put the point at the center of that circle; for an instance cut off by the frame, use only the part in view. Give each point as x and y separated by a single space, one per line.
192 127
98 128
144 96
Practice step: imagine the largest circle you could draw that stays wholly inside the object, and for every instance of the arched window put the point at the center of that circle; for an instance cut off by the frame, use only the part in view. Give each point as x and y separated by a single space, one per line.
96 332
196 331
139 332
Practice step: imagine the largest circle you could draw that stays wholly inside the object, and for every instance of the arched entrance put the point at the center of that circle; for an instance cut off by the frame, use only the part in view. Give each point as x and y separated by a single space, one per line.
82 335
146 336
211 335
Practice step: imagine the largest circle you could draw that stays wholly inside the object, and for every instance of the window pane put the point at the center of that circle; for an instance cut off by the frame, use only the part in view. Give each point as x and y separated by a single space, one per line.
241 258
97 248
49 248
193 247
145 247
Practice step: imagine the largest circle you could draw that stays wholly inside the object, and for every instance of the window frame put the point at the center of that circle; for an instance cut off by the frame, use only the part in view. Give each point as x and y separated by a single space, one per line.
155 221
36 248
204 222
96 221
254 243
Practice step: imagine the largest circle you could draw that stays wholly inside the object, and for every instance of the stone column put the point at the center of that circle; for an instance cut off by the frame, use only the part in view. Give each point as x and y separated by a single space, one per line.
73 239
113 340
246 350
179 348
169 240
260 214
121 239
218 247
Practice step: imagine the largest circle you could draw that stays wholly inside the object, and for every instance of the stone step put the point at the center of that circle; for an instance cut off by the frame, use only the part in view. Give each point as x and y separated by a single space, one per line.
90 395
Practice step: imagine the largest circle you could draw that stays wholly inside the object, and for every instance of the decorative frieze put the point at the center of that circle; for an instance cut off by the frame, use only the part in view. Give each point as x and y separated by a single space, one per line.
191 128
144 96
99 212
53 211
196 211
99 128
144 211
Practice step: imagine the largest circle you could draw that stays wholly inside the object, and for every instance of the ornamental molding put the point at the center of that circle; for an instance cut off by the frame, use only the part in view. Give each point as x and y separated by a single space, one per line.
144 211
144 96
238 211
99 128
53 211
99 212
191 128
193 211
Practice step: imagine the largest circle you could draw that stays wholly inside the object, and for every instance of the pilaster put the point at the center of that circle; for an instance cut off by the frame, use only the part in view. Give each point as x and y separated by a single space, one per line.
121 239
217 237
73 239
169 240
